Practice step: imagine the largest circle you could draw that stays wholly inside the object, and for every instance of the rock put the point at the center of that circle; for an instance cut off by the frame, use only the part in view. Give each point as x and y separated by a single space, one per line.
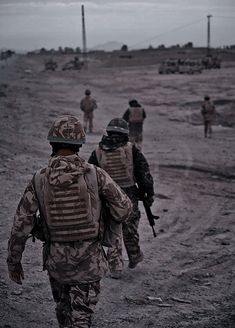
152 298
180 300
16 292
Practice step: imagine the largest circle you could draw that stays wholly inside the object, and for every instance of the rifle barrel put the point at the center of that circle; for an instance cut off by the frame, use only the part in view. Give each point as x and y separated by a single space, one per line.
150 217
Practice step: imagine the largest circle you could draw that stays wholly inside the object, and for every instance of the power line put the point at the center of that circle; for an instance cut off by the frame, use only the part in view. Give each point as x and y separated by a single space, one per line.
170 31
229 17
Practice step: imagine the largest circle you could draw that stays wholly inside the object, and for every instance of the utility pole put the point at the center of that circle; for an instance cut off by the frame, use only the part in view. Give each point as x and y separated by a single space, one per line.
84 50
208 35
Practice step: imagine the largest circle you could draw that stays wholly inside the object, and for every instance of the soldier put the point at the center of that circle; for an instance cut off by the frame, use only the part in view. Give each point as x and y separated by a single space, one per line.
88 105
128 167
68 194
135 116
208 113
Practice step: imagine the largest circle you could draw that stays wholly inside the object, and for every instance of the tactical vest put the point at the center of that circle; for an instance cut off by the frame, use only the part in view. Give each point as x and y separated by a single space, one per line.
73 213
136 115
118 164
88 104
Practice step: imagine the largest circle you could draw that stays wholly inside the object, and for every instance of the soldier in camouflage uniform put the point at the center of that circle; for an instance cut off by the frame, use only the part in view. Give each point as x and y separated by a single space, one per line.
68 194
208 114
135 116
88 105
125 163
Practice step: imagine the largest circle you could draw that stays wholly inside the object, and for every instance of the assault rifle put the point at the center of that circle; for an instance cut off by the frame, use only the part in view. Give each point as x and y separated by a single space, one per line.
150 217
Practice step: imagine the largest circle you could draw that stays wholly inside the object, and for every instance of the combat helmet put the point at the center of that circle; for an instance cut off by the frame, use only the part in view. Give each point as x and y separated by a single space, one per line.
87 92
134 103
67 129
118 125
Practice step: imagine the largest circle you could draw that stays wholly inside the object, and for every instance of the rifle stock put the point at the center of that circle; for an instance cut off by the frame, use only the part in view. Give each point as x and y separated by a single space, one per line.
150 217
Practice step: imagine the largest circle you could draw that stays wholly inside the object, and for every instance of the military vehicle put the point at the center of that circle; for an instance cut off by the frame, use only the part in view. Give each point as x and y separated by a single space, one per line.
182 66
211 62
190 66
168 66
74 64
50 65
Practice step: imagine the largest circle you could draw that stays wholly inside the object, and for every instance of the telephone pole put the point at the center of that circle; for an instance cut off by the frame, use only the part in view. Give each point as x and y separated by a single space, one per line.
84 45
208 35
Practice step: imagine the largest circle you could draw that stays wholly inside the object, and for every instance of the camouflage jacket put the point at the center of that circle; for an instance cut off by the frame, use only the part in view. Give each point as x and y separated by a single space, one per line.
208 110
142 175
127 115
88 104
82 261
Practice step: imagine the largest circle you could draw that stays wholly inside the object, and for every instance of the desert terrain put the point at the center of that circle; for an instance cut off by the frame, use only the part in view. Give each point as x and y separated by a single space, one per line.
187 278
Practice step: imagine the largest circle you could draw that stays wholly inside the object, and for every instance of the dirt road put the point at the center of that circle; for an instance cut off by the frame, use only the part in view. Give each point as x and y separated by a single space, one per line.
187 276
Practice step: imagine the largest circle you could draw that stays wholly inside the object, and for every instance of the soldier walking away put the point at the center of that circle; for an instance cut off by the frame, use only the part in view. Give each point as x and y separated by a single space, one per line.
68 195
208 113
88 105
135 116
128 167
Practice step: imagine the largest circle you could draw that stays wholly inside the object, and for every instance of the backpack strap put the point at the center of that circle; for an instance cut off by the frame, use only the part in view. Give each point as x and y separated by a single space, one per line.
38 191
39 195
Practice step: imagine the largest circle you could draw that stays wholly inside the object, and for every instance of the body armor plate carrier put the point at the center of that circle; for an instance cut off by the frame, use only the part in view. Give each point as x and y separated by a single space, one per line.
136 115
73 213
118 164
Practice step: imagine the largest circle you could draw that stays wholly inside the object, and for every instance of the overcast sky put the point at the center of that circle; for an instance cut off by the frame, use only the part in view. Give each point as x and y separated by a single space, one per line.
32 24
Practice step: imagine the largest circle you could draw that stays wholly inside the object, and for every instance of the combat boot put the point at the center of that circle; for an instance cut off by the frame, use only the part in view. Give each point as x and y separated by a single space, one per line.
133 263
115 274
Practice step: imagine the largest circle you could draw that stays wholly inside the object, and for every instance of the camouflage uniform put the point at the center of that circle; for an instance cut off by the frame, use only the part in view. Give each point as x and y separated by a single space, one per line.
135 116
142 184
88 105
208 113
75 265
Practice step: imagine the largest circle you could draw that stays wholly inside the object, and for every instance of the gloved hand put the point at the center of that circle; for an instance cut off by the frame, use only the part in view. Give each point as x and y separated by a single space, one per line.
148 199
17 274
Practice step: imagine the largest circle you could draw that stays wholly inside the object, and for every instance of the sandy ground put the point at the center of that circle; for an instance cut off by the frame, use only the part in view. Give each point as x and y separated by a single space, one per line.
187 276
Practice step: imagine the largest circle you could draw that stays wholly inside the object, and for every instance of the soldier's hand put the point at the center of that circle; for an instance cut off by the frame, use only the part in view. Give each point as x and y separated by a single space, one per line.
148 199
17 275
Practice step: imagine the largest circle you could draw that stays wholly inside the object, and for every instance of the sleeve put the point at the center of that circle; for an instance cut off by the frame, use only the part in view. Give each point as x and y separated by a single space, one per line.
120 206
94 104
22 225
126 115
93 159
142 173
81 105
203 109
213 107
144 114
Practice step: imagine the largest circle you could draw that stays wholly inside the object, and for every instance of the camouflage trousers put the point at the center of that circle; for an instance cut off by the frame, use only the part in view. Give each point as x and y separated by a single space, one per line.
75 303
136 138
136 134
136 131
130 238
88 120
207 128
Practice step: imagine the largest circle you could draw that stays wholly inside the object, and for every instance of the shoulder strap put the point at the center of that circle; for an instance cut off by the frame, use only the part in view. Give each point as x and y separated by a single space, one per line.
91 178
39 193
